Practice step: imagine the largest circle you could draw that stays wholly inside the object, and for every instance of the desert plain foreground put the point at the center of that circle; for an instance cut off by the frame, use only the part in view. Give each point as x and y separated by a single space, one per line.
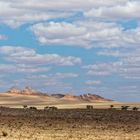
70 121
69 124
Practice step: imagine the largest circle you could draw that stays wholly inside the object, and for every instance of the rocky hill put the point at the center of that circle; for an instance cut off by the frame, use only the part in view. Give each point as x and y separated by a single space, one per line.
29 95
92 97
14 90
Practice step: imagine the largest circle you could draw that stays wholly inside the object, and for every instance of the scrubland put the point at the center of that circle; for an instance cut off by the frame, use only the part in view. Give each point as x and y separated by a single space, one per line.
69 124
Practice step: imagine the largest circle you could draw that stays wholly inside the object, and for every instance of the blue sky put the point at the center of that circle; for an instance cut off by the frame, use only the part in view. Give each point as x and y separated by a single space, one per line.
76 47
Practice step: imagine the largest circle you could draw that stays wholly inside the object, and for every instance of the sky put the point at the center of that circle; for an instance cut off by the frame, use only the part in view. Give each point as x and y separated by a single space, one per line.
71 46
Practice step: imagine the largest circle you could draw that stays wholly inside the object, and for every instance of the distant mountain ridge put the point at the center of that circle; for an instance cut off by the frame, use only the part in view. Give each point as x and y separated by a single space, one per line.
28 91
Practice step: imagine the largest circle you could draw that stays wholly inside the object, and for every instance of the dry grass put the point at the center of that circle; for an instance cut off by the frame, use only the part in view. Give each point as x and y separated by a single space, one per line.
72 124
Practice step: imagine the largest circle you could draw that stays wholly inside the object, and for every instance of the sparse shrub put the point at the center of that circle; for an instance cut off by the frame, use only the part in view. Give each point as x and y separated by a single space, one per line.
52 108
4 133
135 109
124 107
25 106
33 108
111 106
89 107
46 107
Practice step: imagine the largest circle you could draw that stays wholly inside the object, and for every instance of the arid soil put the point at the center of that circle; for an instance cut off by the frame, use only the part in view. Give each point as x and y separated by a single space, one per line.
76 124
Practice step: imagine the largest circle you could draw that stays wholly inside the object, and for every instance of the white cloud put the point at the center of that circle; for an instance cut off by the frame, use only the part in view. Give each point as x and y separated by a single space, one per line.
55 76
93 82
58 33
21 68
16 13
69 5
127 67
124 10
29 56
87 34
129 60
102 69
99 73
66 75
113 53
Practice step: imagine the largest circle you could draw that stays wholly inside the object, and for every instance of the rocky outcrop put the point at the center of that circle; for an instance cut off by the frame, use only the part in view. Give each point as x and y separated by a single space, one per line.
92 98
14 90
28 91
81 98
58 95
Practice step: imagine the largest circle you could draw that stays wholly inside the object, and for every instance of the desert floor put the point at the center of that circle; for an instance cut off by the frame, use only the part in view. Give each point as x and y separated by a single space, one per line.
69 124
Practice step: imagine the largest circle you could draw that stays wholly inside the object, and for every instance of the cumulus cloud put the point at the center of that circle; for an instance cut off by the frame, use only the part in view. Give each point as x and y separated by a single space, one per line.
66 75
102 69
127 10
93 82
59 33
121 53
30 56
24 66
16 13
128 68
114 53
21 68
86 34
69 5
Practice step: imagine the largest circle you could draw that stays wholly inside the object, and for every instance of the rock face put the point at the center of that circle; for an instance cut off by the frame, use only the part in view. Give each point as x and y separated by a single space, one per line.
28 91
92 97
14 90
58 95
81 98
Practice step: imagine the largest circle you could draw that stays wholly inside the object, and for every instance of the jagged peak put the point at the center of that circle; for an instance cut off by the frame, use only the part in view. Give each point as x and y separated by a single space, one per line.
14 90
93 97
28 90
